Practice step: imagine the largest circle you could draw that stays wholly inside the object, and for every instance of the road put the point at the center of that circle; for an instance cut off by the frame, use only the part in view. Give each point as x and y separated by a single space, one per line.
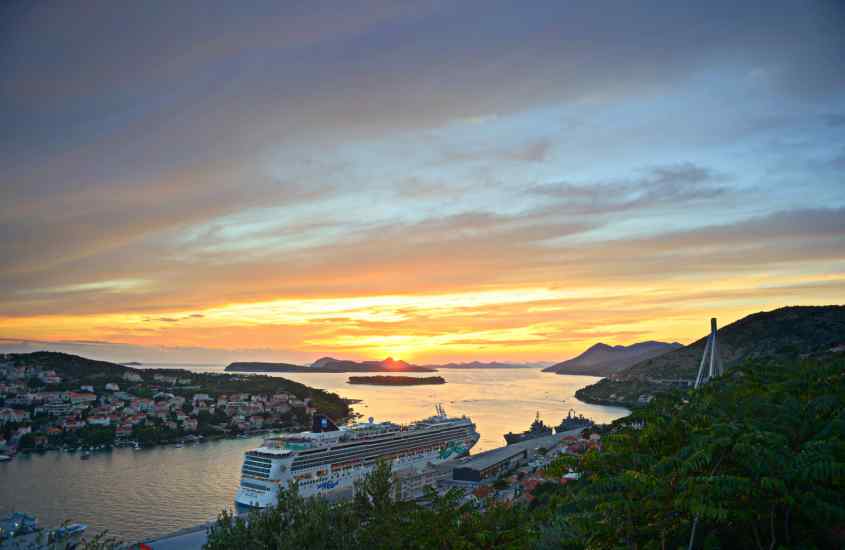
187 539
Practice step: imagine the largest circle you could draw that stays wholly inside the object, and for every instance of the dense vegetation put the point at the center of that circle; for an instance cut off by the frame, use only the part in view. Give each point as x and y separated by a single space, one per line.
752 460
373 519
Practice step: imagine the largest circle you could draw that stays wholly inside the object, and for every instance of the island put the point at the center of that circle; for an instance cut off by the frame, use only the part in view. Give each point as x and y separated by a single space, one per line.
330 364
266 367
396 380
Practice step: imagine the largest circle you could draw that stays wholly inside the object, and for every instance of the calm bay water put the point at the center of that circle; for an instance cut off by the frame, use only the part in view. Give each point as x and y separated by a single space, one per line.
139 494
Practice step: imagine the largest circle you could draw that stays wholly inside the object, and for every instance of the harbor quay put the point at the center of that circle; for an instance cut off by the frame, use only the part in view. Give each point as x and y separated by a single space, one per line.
505 473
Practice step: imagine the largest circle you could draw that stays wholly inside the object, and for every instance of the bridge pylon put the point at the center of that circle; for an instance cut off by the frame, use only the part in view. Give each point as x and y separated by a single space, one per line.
711 358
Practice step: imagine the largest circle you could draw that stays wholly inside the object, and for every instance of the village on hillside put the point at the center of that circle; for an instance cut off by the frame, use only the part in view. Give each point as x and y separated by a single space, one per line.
41 410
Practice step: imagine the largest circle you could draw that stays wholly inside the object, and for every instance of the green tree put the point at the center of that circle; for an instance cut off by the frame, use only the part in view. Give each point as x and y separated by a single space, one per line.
101 541
752 460
374 520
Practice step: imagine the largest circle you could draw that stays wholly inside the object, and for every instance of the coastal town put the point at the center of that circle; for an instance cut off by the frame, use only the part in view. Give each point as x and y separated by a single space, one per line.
42 408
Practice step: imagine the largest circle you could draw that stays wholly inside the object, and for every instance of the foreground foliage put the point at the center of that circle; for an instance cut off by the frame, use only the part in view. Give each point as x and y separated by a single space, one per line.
753 460
373 519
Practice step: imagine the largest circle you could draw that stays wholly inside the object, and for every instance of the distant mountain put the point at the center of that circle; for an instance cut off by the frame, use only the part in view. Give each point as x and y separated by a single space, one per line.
603 360
330 364
487 365
785 333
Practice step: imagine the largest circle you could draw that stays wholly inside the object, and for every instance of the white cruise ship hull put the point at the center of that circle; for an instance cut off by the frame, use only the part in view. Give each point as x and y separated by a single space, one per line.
334 470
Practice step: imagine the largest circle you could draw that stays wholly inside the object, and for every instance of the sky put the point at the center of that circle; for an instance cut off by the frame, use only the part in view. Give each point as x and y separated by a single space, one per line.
477 180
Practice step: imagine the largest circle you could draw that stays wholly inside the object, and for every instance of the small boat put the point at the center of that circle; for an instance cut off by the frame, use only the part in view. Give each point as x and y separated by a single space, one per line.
19 530
75 528
68 531
85 455
5 458
22 531
180 445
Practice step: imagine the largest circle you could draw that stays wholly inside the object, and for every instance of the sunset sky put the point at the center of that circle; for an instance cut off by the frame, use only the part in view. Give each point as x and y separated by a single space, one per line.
202 181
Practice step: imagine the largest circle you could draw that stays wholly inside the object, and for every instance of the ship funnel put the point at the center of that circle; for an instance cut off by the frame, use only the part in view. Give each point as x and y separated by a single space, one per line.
321 423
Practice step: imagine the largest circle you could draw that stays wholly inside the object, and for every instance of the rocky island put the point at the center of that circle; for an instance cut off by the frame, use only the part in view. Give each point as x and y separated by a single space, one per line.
396 380
330 364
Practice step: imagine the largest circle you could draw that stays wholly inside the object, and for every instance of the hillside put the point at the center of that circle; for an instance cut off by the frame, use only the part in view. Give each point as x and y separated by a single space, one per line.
72 366
781 334
603 360
75 371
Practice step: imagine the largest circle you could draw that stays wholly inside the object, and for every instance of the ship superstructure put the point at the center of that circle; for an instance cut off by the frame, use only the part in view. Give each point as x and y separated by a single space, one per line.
330 459
538 429
573 422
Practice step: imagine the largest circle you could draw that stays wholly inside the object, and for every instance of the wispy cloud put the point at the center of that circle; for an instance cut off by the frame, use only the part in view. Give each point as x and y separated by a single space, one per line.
287 163
674 186
537 150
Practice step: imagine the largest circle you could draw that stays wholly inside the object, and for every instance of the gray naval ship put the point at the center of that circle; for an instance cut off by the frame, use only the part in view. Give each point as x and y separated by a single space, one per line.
539 429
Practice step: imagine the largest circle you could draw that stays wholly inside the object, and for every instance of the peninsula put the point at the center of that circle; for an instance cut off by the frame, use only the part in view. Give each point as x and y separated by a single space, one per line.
60 401
396 380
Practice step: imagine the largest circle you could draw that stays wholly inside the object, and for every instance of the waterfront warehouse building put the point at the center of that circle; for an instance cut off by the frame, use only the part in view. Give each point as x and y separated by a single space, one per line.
489 464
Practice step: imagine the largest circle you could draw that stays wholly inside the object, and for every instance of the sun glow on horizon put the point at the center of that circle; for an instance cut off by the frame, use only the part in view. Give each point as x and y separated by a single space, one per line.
517 324
522 211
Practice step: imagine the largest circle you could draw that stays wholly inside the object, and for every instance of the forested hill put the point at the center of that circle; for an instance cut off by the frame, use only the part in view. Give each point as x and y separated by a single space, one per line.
784 333
70 366
75 371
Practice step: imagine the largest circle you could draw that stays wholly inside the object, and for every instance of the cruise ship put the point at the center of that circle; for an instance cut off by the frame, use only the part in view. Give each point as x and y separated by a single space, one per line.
329 459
